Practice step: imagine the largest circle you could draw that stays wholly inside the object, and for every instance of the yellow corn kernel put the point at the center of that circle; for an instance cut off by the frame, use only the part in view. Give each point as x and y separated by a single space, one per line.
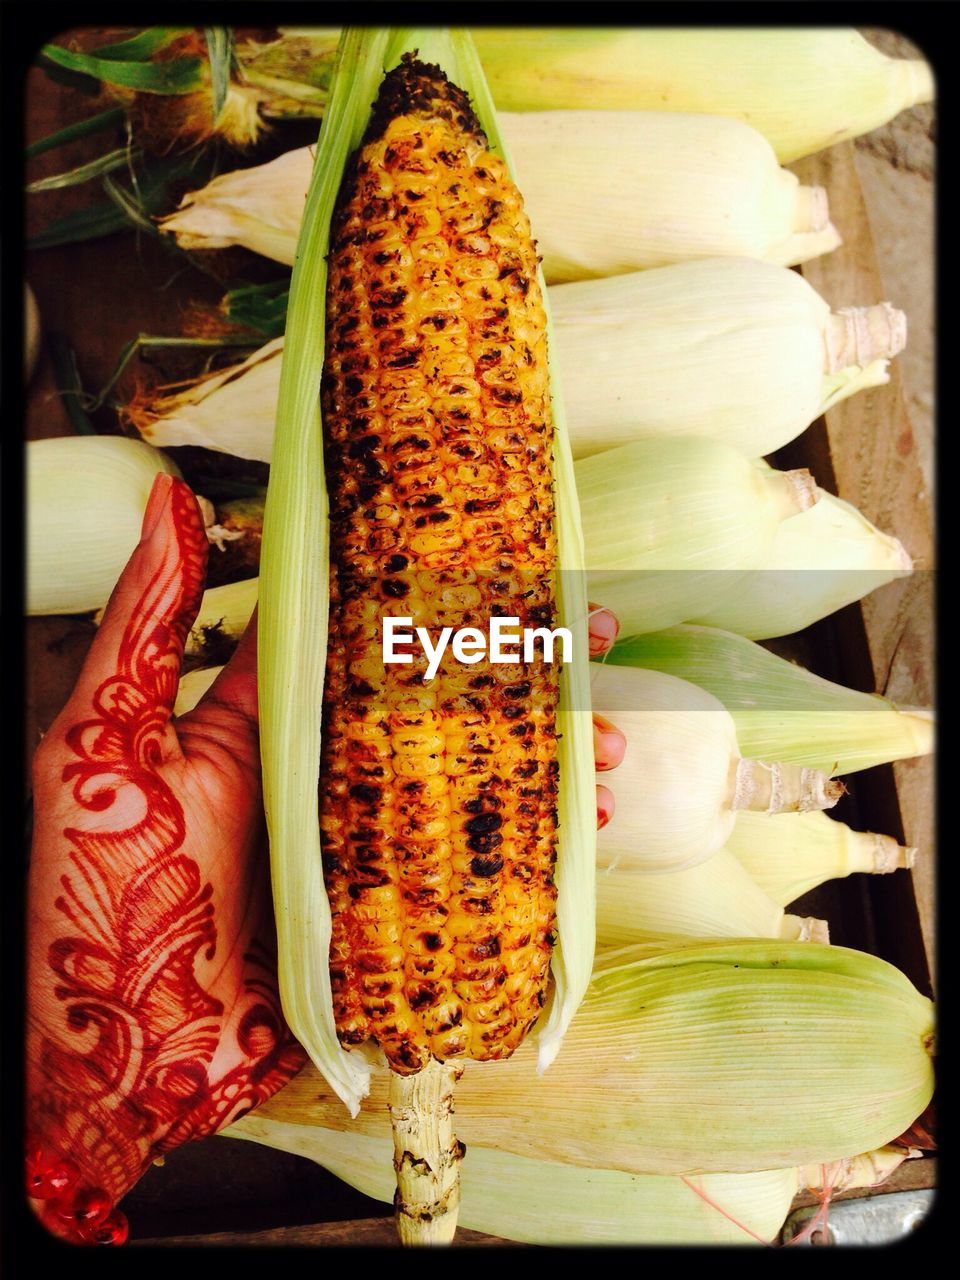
438 427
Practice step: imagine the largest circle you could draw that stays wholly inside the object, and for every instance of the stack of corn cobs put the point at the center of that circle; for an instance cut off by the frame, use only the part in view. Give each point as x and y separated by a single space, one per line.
703 1053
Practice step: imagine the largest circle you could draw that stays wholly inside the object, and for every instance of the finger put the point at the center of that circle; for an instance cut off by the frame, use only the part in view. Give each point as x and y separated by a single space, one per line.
132 670
603 627
605 806
609 744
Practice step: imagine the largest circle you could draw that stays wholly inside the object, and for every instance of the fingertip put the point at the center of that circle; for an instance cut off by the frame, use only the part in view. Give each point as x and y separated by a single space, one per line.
604 627
605 806
609 744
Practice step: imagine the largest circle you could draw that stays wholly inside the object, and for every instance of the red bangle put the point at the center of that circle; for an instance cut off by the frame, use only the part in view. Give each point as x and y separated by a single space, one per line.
86 1214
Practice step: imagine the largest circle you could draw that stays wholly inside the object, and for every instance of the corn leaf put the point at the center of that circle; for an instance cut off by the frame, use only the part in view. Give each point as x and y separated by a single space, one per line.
83 172
141 46
294 604
260 307
106 217
220 53
176 76
68 383
81 129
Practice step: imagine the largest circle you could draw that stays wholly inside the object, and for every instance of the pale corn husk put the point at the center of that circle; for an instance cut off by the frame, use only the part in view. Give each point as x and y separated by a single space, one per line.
788 859
820 560
732 349
260 208
697 1057
85 499
606 193
547 1202
617 191
670 523
803 88
294 597
868 1170
715 899
233 410
193 685
550 1203
780 710
682 776
728 348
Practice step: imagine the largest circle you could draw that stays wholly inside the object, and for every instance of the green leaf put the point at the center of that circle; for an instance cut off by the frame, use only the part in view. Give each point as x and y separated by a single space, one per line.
68 382
148 342
141 46
84 172
83 128
220 52
179 75
260 307
72 79
131 206
116 214
86 224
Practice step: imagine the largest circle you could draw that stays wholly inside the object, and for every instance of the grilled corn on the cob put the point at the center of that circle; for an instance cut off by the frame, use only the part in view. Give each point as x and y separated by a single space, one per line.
438 808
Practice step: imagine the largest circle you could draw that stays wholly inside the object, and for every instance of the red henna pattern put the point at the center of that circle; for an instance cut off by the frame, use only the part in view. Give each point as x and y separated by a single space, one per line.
146 1030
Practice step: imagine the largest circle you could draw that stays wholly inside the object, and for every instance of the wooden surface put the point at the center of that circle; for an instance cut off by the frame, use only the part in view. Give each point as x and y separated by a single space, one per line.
363 1232
871 454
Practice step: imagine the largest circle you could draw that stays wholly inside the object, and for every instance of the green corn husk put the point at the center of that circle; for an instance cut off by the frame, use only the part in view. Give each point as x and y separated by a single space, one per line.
723 1056
733 349
781 711
821 560
546 1202
788 859
670 523
294 598
606 194
85 499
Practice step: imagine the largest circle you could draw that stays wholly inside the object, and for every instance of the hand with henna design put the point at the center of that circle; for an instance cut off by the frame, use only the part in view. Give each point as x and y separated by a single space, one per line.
153 1015
153 1012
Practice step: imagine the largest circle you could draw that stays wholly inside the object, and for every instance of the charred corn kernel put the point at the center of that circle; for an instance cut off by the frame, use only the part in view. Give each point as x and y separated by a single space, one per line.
435 325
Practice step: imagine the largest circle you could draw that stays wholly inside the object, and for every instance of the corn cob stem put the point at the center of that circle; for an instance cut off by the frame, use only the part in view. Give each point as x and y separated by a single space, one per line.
805 929
802 491
889 856
782 788
812 210
427 1154
857 335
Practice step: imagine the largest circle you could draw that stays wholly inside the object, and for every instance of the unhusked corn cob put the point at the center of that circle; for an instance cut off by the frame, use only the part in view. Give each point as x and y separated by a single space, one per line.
438 805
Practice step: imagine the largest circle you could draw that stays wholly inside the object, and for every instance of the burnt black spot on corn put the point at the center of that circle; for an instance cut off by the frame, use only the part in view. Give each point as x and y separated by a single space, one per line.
438 446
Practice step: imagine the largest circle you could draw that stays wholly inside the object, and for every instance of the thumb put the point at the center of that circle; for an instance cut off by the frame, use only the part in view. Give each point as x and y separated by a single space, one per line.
130 677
